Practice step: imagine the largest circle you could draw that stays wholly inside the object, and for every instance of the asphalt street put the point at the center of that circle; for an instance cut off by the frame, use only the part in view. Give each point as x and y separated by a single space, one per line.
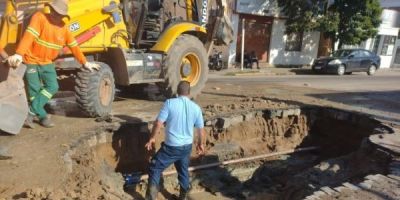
378 95
357 82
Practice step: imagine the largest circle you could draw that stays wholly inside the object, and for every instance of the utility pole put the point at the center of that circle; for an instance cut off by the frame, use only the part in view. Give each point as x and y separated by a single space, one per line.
242 55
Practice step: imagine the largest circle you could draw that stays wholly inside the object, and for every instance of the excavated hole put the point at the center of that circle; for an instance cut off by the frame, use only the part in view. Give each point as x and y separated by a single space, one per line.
343 154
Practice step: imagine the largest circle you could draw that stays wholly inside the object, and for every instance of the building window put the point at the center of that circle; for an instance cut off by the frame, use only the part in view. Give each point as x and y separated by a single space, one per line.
294 42
388 45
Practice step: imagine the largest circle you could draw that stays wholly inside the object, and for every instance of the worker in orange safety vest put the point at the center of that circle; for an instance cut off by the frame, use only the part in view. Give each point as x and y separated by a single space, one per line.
40 45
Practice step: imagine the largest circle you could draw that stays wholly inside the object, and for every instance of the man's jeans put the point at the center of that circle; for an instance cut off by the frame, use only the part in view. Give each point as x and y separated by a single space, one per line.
167 155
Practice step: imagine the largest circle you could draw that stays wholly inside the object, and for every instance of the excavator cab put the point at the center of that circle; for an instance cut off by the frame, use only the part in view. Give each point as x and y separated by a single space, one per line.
134 41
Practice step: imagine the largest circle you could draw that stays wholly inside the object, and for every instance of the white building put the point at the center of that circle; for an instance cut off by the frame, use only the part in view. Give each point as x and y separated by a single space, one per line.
391 19
387 44
264 34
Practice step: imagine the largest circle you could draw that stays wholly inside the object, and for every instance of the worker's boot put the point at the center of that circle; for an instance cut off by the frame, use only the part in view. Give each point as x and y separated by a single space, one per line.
183 194
46 122
151 193
29 121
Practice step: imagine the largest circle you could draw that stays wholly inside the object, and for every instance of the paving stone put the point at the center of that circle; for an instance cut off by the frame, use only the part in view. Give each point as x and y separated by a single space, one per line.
92 141
297 111
312 197
371 177
102 138
319 193
395 177
259 113
248 116
351 186
340 188
383 178
366 184
68 161
287 113
211 122
274 113
390 142
378 178
291 112
329 191
226 122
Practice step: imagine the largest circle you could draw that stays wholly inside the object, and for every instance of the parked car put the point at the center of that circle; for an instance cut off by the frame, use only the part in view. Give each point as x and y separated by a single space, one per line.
346 61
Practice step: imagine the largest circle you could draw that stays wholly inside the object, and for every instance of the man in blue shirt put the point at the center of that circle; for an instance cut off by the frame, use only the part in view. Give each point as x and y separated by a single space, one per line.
181 115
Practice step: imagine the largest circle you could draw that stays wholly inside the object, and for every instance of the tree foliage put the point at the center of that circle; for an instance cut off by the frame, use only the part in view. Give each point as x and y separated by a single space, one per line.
348 21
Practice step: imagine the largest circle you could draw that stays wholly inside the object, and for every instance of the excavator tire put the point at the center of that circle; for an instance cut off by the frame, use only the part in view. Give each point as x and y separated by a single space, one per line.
186 60
94 91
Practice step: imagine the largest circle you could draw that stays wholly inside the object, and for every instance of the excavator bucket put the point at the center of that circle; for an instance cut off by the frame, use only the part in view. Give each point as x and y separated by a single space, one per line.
13 102
224 33
220 28
224 30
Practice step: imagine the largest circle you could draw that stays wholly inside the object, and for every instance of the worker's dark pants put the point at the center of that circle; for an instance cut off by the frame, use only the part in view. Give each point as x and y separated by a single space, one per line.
42 85
167 155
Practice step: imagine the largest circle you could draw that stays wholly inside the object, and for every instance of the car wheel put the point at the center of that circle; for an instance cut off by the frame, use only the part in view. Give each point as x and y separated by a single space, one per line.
341 70
371 70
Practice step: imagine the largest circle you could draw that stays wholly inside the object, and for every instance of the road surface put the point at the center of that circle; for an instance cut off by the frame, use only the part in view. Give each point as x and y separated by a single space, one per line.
378 95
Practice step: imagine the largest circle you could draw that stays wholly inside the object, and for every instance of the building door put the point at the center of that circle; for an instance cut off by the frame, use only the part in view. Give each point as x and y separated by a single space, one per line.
396 58
257 36
396 61
325 45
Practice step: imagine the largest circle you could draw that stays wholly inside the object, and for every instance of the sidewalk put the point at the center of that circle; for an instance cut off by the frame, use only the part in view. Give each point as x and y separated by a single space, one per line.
275 71
267 71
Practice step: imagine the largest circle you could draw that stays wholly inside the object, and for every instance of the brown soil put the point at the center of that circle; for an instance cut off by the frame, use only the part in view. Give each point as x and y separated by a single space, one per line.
37 169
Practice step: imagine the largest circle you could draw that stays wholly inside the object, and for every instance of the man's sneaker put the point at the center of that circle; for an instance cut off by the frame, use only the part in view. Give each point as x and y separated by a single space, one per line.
183 194
29 121
46 122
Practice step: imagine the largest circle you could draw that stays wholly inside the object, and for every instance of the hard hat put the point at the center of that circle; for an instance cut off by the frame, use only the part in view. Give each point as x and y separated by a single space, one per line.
60 6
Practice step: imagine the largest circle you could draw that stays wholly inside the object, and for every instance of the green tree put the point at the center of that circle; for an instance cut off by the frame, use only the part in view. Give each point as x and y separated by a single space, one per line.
359 20
348 21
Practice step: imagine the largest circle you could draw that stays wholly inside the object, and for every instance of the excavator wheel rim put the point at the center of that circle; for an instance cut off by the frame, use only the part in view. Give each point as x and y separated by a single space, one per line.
195 68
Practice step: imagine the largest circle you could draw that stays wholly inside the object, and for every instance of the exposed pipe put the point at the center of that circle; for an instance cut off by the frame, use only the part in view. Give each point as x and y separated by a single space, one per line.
216 164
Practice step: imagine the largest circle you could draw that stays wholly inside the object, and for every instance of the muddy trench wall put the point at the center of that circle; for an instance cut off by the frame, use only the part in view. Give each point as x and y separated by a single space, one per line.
98 158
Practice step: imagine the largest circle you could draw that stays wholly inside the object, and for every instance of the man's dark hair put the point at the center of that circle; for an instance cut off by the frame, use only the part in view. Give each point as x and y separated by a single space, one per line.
184 88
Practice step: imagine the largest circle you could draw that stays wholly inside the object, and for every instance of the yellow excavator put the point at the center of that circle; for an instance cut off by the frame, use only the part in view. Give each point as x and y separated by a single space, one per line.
134 41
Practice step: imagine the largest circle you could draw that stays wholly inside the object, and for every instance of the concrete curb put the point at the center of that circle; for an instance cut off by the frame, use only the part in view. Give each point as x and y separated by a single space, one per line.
259 73
278 72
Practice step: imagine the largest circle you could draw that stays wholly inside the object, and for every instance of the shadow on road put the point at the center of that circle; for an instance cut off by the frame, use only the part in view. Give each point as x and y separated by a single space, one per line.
377 102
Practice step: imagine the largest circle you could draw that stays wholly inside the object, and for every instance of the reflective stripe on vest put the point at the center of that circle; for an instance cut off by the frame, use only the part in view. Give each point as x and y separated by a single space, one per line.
43 42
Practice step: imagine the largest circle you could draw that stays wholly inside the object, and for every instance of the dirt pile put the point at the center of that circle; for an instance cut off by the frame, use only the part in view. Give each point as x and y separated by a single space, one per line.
242 104
96 161
260 135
